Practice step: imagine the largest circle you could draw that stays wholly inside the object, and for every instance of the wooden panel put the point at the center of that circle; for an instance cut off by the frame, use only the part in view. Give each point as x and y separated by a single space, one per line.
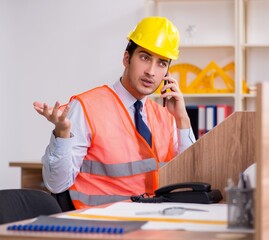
32 178
262 193
31 174
222 153
32 165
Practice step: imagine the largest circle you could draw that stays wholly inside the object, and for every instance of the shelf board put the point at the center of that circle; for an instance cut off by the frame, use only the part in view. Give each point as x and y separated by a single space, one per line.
257 45
199 95
213 95
207 46
199 1
204 95
248 95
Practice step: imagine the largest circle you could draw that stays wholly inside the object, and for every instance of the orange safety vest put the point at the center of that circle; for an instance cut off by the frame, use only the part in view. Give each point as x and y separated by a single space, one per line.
120 163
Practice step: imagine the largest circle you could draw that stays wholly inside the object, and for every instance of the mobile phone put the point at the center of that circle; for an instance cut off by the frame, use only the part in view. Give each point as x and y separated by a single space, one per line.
164 83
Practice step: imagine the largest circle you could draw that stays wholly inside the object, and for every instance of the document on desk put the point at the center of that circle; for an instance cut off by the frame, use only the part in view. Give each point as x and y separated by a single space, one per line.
194 217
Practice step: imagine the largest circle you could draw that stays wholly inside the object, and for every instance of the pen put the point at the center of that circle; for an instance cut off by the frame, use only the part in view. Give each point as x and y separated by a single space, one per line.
243 181
172 211
247 215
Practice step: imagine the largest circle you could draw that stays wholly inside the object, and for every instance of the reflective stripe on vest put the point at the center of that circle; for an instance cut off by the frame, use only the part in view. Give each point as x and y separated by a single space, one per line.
96 199
118 170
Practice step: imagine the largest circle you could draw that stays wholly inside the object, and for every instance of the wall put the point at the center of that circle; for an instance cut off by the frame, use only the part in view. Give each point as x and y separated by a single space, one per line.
50 50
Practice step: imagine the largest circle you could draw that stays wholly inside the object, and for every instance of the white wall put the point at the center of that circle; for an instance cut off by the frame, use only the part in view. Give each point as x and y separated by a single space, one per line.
50 50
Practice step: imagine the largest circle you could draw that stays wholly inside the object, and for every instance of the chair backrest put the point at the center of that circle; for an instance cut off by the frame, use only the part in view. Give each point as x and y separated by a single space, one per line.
20 204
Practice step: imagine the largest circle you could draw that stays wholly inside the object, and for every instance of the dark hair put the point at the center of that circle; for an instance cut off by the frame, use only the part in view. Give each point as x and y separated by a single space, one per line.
131 48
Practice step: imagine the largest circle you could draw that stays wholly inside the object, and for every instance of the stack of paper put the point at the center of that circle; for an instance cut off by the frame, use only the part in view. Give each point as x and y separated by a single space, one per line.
213 217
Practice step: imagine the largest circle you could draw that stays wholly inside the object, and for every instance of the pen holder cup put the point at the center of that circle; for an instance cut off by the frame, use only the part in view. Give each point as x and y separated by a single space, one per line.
240 208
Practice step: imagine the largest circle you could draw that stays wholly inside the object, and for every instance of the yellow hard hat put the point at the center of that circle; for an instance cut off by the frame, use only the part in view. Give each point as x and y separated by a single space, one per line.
158 35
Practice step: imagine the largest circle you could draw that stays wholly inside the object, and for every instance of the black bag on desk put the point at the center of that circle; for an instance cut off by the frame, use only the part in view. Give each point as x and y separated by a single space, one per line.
199 193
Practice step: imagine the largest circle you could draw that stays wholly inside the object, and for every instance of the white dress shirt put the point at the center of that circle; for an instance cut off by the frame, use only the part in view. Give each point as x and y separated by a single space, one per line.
64 156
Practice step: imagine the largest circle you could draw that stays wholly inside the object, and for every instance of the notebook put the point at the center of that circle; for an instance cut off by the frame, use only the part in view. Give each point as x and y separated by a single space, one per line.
54 224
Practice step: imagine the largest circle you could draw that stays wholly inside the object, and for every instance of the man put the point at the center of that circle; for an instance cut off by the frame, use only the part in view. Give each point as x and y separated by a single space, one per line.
98 151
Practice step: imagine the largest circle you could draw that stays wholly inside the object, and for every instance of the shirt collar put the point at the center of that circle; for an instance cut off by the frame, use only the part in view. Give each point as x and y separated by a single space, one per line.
127 98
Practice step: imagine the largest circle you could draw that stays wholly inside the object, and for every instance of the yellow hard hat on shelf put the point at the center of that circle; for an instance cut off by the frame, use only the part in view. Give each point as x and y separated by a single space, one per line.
158 35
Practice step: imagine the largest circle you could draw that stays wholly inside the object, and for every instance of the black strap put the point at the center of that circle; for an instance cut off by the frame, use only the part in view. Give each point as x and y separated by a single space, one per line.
64 200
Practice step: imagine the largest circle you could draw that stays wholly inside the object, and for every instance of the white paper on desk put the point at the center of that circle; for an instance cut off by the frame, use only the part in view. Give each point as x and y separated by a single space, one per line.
215 213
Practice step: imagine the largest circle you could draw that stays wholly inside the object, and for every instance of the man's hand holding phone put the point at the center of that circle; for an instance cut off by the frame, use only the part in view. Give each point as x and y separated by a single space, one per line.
174 101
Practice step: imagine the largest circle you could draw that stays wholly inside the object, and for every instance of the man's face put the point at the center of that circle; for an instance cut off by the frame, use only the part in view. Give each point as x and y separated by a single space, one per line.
143 72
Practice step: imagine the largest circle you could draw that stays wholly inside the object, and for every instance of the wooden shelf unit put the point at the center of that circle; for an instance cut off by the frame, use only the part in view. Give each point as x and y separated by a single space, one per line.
226 31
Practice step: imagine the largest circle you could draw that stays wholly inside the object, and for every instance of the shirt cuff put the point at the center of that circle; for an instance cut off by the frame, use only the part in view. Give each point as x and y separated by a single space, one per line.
187 138
60 145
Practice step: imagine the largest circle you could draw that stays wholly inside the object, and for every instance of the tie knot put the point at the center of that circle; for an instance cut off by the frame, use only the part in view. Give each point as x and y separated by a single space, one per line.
138 104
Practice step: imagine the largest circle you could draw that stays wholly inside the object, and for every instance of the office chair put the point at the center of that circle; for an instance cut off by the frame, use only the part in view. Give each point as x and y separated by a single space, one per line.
20 204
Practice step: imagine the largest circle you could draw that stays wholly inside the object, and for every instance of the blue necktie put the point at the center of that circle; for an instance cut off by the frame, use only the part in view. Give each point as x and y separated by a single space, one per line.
140 124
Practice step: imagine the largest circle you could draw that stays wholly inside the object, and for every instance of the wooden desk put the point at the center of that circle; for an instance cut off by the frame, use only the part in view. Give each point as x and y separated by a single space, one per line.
140 234
31 174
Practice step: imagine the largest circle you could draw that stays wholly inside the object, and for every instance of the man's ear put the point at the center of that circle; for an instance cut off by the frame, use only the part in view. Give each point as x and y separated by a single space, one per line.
126 59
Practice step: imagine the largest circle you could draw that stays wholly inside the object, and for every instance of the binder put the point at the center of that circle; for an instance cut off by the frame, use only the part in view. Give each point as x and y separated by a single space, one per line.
211 117
193 113
223 111
204 117
201 120
55 224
